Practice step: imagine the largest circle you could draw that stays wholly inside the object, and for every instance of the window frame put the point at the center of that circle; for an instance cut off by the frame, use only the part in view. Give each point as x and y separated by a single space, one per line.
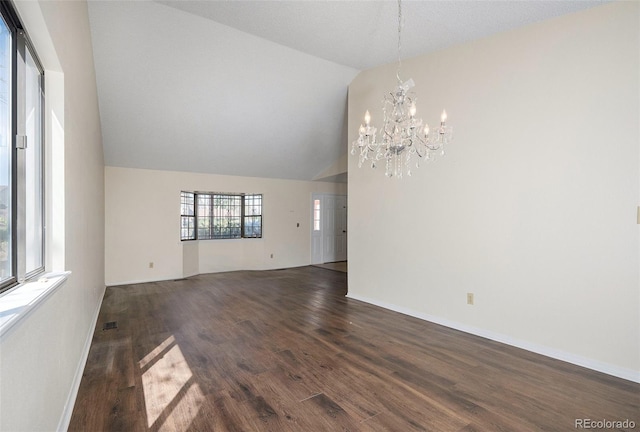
20 44
28 46
212 197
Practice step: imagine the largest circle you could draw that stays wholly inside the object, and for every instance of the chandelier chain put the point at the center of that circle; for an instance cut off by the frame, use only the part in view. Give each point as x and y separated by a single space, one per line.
399 39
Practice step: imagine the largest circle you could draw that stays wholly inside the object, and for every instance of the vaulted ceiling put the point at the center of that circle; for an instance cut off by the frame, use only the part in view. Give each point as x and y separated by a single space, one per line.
259 88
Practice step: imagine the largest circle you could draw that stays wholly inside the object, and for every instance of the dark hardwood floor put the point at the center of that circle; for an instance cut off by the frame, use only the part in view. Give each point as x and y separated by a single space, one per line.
286 351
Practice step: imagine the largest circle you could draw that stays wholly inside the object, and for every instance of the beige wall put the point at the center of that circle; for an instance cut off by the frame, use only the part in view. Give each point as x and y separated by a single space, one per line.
143 221
533 209
42 357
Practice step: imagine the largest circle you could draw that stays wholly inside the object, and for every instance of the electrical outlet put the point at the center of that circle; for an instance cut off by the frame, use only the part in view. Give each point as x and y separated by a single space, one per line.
469 298
151 264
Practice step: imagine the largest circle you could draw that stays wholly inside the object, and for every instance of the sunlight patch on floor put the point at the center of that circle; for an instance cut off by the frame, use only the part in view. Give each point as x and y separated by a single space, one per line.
185 411
172 398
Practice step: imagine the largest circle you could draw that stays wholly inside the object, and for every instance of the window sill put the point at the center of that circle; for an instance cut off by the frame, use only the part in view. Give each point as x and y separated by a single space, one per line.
21 301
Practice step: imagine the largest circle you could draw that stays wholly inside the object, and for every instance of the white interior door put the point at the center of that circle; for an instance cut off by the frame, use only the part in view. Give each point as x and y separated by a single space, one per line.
328 228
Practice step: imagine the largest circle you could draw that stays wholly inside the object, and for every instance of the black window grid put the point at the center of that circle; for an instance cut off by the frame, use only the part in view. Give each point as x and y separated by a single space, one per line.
211 216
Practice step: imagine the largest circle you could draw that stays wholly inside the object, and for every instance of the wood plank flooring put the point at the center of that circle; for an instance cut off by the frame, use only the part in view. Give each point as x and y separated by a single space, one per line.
286 351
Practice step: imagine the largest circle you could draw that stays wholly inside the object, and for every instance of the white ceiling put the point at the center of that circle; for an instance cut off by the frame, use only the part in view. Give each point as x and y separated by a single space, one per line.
259 88
363 34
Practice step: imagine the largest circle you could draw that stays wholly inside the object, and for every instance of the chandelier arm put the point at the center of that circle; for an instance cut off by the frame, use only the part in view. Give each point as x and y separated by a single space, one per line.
389 135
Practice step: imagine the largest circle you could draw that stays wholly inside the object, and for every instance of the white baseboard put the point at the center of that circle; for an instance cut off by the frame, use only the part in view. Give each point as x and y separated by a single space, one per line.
202 272
609 369
141 281
63 424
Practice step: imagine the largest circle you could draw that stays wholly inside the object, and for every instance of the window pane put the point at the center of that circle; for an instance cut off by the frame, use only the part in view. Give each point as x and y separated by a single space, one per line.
253 226
5 153
33 166
187 206
188 228
316 215
227 210
205 217
252 205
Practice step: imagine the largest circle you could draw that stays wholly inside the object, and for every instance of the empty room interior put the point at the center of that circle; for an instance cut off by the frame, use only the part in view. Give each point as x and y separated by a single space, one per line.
319 215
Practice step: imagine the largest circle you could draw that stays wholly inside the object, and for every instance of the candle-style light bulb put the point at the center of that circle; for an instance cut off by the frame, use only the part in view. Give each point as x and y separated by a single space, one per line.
367 118
443 117
362 130
412 109
426 130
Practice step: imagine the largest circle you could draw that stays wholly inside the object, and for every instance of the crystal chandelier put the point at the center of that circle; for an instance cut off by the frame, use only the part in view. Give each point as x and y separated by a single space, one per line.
402 134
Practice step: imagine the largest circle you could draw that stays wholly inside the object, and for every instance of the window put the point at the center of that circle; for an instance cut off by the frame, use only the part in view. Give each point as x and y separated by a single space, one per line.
188 216
206 216
316 215
252 216
21 154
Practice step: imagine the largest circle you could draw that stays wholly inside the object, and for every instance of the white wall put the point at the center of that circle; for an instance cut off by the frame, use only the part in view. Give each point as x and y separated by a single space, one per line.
143 221
42 357
533 209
